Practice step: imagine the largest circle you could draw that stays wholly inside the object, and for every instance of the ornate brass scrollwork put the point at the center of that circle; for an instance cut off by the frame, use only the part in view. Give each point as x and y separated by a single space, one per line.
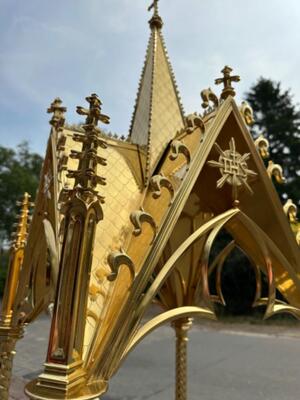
157 182
177 148
247 113
208 96
262 146
194 121
290 210
115 260
276 171
140 216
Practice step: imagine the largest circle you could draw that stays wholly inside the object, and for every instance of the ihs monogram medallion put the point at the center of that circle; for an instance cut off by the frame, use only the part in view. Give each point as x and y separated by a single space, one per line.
234 169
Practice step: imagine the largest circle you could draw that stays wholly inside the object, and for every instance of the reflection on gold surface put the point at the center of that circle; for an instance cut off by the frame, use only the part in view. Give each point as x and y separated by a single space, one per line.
118 225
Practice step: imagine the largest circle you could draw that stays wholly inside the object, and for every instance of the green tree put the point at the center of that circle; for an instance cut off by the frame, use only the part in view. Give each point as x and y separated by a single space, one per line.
19 173
279 119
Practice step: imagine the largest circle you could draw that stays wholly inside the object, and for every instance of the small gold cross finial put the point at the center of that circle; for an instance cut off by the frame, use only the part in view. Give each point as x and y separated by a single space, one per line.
155 21
154 5
93 114
227 80
58 110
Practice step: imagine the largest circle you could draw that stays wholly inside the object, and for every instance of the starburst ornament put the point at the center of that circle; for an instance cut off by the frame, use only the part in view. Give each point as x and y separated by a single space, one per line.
233 168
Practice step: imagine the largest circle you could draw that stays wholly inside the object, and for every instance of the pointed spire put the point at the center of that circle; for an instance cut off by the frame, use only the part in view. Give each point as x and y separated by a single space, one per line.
20 236
158 114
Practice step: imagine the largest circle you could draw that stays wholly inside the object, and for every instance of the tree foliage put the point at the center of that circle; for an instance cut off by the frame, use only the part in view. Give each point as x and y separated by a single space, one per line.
19 173
279 119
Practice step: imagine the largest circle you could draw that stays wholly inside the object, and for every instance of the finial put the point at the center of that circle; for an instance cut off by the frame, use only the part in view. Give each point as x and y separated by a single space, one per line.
227 80
58 118
86 178
93 114
155 21
21 232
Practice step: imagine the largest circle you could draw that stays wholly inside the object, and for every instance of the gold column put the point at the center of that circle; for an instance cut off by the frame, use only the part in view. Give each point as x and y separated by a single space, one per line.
64 376
9 334
181 327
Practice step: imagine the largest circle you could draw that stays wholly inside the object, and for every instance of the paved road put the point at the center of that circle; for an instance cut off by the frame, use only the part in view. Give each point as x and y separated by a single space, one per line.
222 365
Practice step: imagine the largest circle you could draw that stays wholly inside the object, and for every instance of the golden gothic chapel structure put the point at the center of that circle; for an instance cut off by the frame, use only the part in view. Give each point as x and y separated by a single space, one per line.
118 224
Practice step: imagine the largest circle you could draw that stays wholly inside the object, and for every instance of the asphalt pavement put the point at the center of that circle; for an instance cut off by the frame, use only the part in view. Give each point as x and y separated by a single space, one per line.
224 363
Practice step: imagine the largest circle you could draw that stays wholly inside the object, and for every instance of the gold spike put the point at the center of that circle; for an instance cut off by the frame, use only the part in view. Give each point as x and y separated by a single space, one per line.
9 334
158 113
16 259
22 225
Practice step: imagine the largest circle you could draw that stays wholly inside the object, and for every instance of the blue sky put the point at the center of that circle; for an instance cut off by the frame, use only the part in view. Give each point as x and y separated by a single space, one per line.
72 48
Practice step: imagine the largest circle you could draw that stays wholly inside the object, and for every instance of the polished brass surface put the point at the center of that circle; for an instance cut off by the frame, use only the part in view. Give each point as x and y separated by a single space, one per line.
16 261
158 113
9 333
233 168
157 245
120 224
181 327
262 146
208 96
194 121
64 375
8 340
290 209
275 170
226 81
247 113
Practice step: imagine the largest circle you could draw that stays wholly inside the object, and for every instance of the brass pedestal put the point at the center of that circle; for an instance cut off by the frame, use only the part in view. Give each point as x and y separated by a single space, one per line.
91 392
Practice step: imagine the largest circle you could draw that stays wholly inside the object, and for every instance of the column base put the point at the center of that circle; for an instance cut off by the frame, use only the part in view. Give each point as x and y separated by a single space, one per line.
36 392
59 382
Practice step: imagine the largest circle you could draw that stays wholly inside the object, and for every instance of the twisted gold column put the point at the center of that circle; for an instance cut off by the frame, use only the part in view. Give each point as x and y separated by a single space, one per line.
181 327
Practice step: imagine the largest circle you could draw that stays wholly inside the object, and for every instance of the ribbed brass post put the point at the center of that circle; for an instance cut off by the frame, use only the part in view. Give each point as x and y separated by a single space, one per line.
9 334
181 327
65 376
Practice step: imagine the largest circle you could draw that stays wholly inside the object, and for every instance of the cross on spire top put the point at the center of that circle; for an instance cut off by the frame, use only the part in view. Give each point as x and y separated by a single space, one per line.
227 80
154 5
155 21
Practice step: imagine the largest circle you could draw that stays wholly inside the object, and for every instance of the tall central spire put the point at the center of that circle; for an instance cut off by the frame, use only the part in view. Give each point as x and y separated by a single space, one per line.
158 114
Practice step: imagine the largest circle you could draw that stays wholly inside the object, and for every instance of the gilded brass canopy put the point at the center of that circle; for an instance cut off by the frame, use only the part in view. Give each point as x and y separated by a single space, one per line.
118 225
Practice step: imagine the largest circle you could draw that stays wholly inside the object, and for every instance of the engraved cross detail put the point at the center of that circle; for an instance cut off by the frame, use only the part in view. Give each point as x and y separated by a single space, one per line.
233 168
